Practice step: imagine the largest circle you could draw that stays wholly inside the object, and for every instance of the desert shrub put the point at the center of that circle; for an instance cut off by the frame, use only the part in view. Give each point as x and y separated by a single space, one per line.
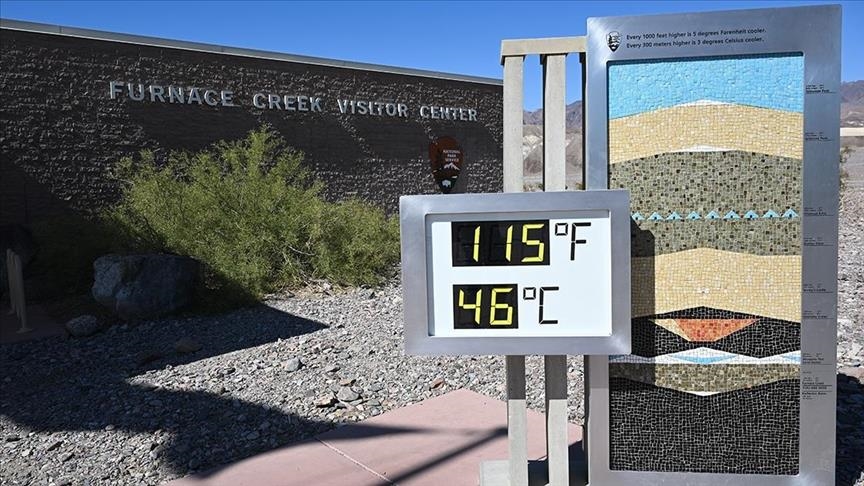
252 213
845 152
356 241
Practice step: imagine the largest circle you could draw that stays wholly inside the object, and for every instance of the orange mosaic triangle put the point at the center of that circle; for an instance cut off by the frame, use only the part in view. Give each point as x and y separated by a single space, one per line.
710 330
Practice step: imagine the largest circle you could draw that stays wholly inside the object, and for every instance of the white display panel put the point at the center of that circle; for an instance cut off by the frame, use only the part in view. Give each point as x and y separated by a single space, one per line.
516 273
575 283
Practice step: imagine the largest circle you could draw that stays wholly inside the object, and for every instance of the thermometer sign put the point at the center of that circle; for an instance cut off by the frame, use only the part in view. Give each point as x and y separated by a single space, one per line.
501 269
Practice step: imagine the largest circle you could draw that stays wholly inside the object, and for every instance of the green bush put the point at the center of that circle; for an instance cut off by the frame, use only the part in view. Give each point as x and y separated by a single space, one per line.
252 213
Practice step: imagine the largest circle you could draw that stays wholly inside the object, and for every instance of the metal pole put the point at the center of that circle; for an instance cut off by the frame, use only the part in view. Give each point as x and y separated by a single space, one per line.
555 367
517 411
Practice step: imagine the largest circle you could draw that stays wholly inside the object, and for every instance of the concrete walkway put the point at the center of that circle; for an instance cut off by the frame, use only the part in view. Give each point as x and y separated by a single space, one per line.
440 441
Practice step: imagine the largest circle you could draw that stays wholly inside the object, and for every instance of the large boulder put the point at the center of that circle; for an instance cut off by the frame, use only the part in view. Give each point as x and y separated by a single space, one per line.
83 326
144 286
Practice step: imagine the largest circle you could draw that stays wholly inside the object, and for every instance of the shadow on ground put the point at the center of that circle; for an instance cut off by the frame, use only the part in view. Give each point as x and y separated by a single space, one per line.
850 430
60 385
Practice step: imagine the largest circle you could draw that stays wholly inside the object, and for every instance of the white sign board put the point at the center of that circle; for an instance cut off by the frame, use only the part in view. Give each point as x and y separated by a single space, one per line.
525 273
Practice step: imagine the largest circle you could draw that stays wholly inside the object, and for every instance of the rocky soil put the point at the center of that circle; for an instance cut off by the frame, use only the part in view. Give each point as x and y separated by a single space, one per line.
141 404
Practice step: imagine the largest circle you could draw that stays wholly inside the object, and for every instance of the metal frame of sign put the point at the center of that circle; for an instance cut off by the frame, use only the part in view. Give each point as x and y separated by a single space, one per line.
814 32
414 212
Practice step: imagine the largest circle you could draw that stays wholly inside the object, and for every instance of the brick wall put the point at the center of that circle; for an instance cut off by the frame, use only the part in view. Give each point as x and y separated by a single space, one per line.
61 132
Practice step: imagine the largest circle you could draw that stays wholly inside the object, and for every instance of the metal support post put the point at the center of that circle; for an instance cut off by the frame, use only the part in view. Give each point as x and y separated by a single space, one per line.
17 299
517 421
554 117
517 411
553 54
555 367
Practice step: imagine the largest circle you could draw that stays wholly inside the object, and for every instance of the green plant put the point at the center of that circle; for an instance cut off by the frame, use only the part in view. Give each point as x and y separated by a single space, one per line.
356 241
845 152
252 213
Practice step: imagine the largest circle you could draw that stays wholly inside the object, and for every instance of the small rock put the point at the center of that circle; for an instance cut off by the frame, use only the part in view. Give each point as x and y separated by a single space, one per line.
436 383
253 435
110 427
84 326
67 456
292 365
332 368
346 381
154 453
187 346
325 401
346 394
54 445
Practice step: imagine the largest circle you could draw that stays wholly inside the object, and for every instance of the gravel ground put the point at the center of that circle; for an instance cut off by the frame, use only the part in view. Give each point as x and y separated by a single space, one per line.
144 403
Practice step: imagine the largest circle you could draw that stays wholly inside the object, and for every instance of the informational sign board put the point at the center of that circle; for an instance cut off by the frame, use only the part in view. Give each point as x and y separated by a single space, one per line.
516 274
724 128
446 157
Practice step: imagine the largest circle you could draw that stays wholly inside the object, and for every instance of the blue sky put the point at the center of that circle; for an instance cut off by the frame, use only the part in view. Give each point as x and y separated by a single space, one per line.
456 37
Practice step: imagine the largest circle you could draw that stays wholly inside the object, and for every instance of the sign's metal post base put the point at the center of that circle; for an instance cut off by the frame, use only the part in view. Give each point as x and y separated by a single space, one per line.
555 372
495 473
556 470
517 422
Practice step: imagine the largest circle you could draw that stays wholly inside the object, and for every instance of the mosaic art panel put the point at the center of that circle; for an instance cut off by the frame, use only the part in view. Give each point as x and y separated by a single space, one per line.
711 151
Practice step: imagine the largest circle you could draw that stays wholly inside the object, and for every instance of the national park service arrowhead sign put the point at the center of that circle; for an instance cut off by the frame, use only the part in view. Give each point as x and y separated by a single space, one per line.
446 158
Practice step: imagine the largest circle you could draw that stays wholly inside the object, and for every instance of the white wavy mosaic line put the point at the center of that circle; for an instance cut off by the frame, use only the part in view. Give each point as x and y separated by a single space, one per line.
705 356
703 102
703 148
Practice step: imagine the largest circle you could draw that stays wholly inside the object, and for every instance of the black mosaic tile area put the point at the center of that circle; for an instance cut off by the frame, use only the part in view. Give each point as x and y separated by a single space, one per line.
765 337
738 432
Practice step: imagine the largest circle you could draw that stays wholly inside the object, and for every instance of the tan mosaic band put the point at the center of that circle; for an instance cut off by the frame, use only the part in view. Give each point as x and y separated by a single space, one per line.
704 379
707 127
767 286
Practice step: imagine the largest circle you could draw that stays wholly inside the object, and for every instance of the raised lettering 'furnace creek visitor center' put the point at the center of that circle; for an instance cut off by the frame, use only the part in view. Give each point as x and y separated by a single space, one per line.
76 101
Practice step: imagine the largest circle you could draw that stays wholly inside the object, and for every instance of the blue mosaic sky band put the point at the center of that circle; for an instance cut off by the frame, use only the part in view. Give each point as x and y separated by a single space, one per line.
699 80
